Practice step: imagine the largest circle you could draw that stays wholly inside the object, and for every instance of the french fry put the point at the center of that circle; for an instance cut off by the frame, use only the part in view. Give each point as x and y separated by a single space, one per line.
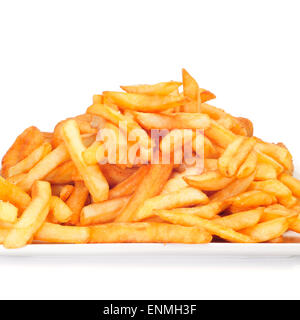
183 198
192 91
279 153
267 231
115 175
25 143
155 179
208 181
213 112
144 103
277 211
206 95
276 188
249 166
44 167
55 233
60 211
233 189
102 212
265 171
127 187
13 194
291 182
62 174
30 161
144 232
158 89
265 159
16 179
97 98
92 175
66 191
240 220
207 211
220 135
294 225
212 227
247 125
209 150
235 155
8 212
77 200
32 218
250 200
173 121
3 234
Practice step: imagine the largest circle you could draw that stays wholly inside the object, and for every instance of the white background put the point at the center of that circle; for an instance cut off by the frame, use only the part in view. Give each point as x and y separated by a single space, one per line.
54 55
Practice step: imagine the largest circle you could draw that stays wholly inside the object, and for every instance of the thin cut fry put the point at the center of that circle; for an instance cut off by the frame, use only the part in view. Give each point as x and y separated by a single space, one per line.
192 91
103 212
155 180
144 232
8 212
158 89
32 218
66 191
92 175
292 183
61 212
62 174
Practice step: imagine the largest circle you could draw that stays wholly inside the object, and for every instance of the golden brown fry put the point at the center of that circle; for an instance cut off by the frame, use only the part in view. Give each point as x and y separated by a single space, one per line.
220 135
60 211
207 211
191 90
55 233
265 171
92 175
144 103
115 175
8 212
16 179
158 89
145 232
30 161
14 194
247 125
25 143
32 218
102 212
249 166
77 200
250 200
266 231
66 191
183 198
233 189
292 183
212 227
266 160
241 220
44 167
276 188
155 180
206 95
208 181
127 187
173 121
277 211
62 174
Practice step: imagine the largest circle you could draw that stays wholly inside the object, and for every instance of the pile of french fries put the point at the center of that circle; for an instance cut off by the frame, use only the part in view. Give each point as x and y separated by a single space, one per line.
53 189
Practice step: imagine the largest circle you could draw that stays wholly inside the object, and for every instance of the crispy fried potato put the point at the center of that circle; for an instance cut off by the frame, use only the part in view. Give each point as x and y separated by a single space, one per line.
30 161
144 103
102 212
25 143
191 90
127 187
32 218
115 175
66 191
173 121
183 198
277 211
263 159
291 182
220 135
60 211
249 166
265 171
62 174
241 220
77 200
206 95
145 232
54 233
208 181
267 231
155 180
250 200
14 194
158 89
8 212
44 167
92 175
212 227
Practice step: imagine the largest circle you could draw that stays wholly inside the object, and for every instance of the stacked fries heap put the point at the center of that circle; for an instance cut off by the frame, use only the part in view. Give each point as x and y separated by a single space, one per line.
54 189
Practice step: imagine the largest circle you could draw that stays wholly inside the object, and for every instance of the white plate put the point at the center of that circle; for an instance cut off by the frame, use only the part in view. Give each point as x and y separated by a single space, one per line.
153 249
